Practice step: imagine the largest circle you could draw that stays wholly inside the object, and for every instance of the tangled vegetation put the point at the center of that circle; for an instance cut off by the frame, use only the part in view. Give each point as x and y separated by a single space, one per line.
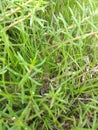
48 65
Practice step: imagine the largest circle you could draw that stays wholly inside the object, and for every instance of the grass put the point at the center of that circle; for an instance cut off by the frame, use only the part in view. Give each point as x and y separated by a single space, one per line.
48 65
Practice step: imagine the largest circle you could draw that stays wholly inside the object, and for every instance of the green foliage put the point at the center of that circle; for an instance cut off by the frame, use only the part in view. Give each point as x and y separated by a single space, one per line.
48 65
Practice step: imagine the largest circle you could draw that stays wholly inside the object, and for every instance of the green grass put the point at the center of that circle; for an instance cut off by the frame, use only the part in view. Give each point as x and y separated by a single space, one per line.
48 65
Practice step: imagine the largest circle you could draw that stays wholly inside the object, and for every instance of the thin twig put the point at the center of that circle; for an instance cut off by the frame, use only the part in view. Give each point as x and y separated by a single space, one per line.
84 99
76 38
85 19
19 21
15 10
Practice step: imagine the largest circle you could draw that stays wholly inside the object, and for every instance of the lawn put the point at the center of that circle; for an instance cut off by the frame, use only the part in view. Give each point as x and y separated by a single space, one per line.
48 65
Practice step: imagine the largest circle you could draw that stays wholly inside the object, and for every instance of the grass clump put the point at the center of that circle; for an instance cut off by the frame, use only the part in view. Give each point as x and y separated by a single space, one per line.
48 65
